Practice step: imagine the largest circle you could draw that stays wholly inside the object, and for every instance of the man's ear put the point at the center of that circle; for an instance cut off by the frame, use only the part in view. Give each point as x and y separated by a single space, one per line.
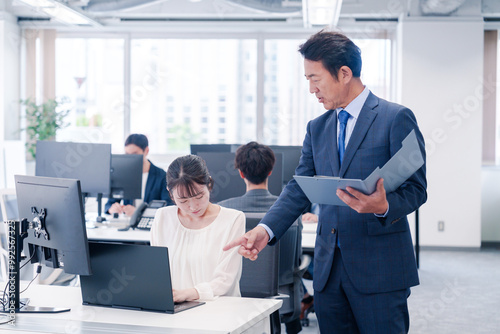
241 174
146 151
269 173
345 74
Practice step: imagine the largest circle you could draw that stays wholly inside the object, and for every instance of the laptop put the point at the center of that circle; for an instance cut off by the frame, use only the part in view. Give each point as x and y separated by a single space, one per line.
132 277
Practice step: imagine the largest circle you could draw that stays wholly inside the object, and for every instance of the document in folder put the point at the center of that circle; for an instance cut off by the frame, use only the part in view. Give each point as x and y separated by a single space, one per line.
322 189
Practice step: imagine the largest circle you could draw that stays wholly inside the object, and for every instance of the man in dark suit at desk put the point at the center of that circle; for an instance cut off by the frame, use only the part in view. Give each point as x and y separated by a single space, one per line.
364 263
154 179
255 163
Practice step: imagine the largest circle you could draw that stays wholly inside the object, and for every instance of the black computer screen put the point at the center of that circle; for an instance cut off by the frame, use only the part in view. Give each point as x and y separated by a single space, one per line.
61 240
227 180
199 148
126 176
89 163
291 157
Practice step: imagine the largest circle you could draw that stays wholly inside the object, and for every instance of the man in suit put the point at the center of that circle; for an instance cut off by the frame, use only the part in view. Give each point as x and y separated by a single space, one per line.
255 164
154 179
364 262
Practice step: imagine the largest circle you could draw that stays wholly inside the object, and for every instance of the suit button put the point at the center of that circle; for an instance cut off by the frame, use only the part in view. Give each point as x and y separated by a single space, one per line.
333 231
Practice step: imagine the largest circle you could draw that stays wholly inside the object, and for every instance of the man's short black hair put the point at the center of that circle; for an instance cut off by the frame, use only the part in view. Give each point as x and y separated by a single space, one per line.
138 140
255 161
334 50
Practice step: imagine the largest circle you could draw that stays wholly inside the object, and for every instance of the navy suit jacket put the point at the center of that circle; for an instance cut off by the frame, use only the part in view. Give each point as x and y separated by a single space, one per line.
156 188
377 252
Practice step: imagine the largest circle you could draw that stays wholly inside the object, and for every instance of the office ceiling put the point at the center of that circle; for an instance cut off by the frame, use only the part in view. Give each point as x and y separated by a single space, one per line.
156 12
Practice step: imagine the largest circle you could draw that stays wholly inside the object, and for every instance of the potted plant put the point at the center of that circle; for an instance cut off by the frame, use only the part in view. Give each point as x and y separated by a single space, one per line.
42 122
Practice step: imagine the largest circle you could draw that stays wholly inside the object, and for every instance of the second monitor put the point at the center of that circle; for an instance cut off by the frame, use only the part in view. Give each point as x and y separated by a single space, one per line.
126 176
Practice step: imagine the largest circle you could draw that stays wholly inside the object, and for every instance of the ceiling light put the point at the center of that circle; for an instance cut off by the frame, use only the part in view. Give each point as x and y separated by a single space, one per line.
61 12
321 12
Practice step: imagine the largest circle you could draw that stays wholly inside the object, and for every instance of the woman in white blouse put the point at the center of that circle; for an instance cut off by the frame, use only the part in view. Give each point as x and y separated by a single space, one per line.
195 231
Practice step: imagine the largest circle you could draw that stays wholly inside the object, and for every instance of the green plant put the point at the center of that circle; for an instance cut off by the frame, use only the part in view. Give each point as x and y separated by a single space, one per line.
42 122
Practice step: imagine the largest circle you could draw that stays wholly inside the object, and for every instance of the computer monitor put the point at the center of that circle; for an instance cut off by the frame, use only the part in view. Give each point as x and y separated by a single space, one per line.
291 157
89 163
198 148
227 180
126 176
52 232
60 239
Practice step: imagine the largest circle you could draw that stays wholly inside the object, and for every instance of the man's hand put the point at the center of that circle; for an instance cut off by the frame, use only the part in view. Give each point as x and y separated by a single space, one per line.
251 243
186 294
375 203
115 208
128 209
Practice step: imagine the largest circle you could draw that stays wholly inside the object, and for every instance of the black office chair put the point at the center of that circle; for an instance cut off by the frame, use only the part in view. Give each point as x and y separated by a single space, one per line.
260 278
292 267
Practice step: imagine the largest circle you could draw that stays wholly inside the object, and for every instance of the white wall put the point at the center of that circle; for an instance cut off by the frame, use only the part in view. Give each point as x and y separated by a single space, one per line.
441 81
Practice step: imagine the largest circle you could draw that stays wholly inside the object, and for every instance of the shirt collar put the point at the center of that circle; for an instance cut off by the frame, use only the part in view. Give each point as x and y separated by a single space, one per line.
354 108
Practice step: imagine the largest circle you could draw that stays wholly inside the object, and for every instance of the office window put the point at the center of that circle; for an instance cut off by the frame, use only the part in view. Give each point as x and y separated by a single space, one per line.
179 95
209 83
89 71
288 105
376 70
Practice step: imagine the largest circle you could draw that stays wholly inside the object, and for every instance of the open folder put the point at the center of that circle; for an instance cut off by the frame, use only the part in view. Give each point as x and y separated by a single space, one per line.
322 189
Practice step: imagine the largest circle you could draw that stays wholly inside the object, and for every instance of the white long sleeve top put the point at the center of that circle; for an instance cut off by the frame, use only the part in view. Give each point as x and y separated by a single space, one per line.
196 256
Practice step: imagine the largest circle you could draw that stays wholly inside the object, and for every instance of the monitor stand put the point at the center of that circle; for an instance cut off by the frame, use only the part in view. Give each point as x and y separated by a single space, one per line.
14 303
99 218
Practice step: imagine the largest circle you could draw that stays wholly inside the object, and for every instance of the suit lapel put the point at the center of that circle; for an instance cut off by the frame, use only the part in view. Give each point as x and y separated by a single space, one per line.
365 120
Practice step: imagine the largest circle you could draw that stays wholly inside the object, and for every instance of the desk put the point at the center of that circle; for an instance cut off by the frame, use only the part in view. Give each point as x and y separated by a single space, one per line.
112 234
224 315
108 231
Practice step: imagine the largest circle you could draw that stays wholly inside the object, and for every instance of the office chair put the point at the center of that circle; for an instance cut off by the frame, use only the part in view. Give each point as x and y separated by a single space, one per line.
260 278
292 267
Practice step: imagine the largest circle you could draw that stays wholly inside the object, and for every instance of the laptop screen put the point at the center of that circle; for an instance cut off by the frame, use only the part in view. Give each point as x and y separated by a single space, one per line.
128 276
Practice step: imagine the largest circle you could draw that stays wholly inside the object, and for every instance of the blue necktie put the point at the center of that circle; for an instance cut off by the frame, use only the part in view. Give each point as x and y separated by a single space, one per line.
343 117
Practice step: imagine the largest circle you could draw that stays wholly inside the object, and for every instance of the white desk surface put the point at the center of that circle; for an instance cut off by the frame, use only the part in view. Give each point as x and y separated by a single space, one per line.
112 234
108 230
223 315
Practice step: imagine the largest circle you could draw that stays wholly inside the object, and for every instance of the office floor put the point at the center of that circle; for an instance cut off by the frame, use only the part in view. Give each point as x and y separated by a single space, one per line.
459 292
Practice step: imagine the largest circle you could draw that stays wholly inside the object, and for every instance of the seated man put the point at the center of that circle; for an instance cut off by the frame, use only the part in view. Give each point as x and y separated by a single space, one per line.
154 179
255 163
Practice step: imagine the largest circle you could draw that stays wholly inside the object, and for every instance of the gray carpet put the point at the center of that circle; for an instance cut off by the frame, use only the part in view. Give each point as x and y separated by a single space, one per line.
459 293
